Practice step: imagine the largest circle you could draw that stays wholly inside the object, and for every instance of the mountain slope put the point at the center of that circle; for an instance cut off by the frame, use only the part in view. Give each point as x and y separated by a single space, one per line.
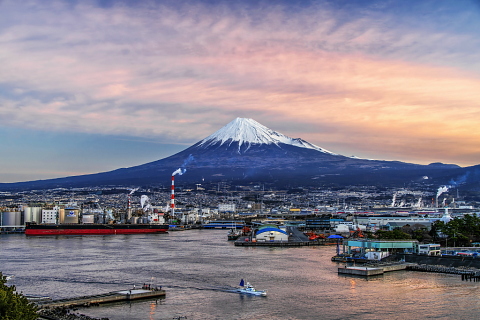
245 151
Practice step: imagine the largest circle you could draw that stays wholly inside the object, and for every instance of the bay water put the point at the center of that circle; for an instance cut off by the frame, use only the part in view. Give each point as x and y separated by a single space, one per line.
200 268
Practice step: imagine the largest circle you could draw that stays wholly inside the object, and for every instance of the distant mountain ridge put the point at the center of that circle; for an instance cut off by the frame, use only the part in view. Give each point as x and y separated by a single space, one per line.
245 151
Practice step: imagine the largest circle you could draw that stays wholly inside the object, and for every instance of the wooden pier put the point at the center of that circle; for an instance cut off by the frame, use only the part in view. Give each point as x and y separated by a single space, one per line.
116 296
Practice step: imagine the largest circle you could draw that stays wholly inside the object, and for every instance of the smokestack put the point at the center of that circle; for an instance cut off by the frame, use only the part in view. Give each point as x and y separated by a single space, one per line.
129 207
129 210
172 197
179 171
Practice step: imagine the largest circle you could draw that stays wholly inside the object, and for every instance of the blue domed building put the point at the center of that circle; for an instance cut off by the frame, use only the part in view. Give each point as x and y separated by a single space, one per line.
271 232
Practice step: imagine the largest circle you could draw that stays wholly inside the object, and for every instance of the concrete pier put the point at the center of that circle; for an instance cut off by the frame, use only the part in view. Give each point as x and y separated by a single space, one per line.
116 296
360 271
372 271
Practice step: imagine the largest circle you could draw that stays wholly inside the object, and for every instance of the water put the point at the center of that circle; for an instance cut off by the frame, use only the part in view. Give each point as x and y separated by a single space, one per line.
198 268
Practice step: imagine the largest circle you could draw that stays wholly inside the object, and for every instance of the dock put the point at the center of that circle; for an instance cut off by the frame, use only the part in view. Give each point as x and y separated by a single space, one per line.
366 271
115 296
277 243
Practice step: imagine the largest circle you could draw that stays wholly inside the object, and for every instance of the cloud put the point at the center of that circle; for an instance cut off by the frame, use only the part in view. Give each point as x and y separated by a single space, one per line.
179 71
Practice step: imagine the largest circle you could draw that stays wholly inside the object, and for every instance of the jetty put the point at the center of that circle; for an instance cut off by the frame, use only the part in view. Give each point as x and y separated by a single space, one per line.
93 300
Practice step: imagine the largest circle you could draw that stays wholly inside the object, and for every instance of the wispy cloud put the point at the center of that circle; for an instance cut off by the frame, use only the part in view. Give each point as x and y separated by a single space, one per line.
382 82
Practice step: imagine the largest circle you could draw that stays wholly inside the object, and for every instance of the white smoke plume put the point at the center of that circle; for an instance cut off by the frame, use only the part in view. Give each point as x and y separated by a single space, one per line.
182 169
179 171
394 199
145 202
441 190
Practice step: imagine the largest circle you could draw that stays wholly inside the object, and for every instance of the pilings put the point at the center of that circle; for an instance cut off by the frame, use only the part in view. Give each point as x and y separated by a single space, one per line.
471 277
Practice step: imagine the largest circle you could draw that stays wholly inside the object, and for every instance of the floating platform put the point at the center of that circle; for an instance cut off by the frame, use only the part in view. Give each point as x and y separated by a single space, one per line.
372 271
116 296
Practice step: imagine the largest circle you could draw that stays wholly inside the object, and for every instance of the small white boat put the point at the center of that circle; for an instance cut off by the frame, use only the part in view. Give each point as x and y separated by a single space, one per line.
249 289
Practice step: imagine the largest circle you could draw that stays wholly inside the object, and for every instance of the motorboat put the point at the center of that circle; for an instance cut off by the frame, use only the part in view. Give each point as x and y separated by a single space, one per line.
234 234
247 288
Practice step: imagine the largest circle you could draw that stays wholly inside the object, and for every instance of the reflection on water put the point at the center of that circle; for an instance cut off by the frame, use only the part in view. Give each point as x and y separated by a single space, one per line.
199 268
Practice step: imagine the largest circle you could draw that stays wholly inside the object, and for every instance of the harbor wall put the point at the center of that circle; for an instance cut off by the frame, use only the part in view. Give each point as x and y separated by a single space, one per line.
451 261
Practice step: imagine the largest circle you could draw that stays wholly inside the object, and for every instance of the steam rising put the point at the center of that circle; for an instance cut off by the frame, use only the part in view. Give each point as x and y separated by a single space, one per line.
441 190
179 171
182 169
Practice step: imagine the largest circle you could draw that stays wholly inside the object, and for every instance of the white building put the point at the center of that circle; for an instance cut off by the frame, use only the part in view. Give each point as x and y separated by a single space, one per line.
50 215
226 207
429 249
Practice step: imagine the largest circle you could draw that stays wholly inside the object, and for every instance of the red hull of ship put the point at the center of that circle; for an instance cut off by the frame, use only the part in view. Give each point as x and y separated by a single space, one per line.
37 230
83 232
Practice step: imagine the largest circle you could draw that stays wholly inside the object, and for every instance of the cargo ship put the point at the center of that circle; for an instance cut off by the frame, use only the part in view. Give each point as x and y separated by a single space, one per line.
33 229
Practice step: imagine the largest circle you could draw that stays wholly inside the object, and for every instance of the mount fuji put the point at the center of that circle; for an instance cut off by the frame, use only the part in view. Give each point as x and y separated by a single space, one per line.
245 151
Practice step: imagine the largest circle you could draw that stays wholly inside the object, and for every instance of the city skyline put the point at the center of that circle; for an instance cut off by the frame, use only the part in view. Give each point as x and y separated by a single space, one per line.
93 86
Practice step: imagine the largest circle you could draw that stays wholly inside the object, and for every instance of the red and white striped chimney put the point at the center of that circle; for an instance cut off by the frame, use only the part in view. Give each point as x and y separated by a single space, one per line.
172 198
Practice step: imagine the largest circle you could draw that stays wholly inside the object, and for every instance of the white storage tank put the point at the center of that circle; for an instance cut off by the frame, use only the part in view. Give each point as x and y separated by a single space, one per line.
11 218
32 214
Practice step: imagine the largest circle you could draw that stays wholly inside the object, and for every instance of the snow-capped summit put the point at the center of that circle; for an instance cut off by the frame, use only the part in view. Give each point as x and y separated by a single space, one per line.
245 131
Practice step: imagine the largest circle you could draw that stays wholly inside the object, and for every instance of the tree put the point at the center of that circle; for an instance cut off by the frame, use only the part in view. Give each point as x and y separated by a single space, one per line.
459 231
14 305
395 234
418 232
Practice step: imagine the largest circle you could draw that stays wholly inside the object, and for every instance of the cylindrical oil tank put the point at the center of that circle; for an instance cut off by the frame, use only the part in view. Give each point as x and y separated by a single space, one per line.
88 218
32 214
11 218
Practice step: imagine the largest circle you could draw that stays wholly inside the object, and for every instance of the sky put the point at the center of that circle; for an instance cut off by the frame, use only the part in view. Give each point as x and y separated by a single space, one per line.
92 86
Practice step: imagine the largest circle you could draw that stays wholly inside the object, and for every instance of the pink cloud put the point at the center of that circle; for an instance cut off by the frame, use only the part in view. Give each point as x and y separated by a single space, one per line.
172 70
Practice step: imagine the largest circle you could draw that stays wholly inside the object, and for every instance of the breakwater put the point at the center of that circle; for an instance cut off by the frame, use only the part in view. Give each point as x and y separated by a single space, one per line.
447 261
467 274
441 269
